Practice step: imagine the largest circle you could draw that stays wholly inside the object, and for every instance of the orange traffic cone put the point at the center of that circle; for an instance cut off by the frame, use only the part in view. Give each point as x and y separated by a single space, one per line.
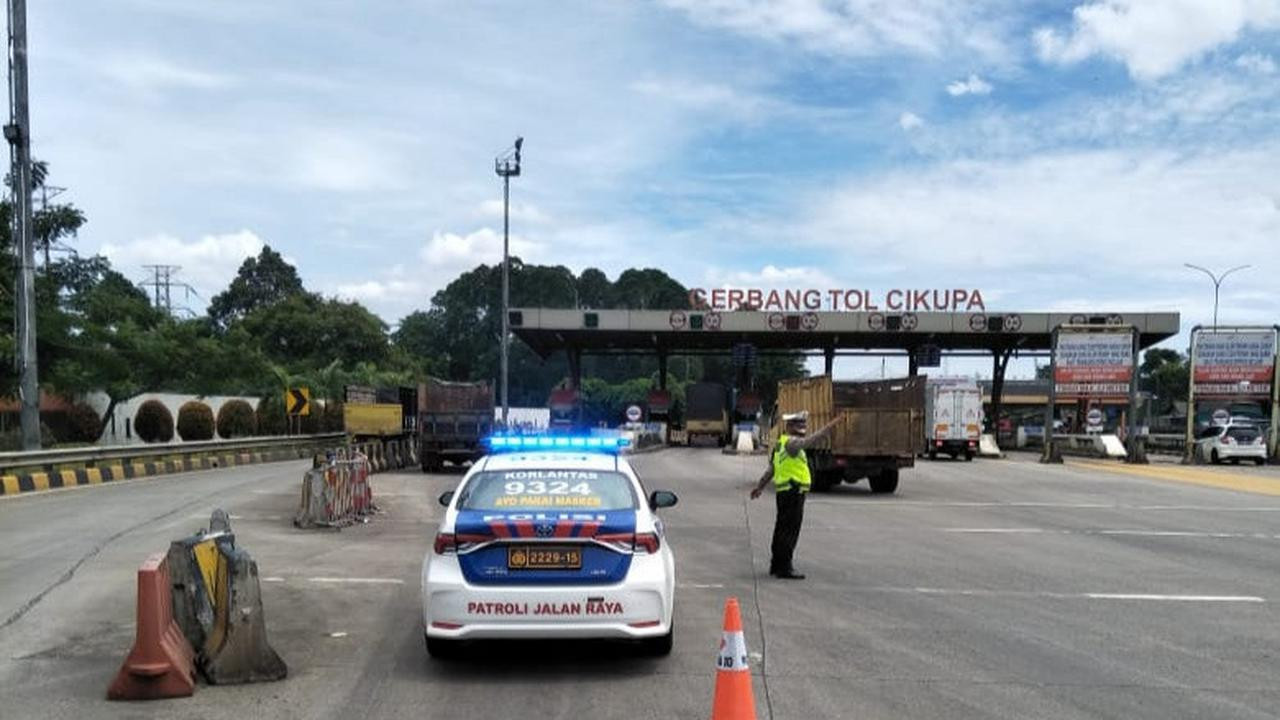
733 700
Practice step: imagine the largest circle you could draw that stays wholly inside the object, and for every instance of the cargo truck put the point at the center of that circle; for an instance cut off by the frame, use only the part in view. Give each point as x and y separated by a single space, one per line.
370 413
953 417
706 413
453 420
882 432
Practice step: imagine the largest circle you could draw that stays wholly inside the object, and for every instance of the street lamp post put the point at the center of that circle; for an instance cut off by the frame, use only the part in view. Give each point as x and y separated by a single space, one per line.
1217 285
507 166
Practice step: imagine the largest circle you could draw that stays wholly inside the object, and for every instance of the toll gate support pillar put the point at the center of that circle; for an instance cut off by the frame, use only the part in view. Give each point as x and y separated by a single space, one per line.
1000 363
575 368
662 370
913 364
829 360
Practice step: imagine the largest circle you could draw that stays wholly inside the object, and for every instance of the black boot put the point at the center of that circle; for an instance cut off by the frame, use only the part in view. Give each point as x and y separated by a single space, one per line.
790 574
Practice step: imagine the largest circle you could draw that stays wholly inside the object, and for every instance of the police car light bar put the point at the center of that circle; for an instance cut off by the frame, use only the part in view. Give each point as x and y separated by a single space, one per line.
556 442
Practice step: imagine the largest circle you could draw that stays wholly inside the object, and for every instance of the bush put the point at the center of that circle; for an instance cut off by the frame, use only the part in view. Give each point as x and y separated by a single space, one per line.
83 424
154 422
195 421
236 419
271 420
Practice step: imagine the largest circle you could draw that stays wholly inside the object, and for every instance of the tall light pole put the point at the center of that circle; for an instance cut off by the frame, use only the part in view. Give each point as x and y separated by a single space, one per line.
18 133
507 165
1217 285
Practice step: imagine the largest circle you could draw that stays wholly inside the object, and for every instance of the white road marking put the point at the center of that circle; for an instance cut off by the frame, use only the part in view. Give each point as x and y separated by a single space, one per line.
701 586
338 634
1177 598
273 578
356 580
1080 596
1122 533
1002 531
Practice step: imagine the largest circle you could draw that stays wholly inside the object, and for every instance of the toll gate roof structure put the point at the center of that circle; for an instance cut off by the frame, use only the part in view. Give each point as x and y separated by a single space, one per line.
679 332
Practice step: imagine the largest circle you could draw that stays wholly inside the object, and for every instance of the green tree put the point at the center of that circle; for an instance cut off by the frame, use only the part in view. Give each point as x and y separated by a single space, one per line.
305 332
260 282
1165 373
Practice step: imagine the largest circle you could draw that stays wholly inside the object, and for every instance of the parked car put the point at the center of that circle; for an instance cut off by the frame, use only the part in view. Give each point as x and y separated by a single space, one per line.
1234 442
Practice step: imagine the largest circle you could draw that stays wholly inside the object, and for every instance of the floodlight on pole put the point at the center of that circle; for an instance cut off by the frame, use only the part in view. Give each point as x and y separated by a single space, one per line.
1217 285
507 166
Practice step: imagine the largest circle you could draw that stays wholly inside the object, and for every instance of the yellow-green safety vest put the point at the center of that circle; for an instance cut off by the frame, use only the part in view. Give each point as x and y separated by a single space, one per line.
788 469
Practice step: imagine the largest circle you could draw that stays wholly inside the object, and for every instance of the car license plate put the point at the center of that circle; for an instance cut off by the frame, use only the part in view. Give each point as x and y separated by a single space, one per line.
534 557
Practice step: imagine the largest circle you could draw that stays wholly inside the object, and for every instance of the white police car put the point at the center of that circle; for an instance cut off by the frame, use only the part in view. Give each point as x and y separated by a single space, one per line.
550 537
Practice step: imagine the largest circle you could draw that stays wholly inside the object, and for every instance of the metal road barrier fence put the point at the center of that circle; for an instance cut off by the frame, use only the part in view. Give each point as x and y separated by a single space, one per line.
336 492
46 469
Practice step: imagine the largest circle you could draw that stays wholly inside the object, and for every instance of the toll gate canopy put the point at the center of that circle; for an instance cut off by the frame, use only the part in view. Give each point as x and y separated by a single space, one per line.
677 332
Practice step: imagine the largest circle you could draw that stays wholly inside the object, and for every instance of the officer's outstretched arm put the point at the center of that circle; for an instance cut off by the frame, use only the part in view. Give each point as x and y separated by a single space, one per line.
795 445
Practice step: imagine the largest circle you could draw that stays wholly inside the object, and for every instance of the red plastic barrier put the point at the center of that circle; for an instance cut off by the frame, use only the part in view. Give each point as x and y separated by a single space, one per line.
161 663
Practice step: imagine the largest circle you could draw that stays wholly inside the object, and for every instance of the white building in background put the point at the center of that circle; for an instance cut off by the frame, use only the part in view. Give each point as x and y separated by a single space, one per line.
525 418
118 428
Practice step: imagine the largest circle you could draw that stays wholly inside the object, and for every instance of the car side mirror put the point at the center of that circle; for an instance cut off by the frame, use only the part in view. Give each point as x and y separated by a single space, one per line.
446 497
662 499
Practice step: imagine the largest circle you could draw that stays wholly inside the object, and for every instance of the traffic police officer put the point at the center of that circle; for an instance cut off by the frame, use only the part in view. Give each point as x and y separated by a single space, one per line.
789 471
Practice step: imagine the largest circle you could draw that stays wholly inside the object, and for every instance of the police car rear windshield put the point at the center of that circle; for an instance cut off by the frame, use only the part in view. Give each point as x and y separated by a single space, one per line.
526 489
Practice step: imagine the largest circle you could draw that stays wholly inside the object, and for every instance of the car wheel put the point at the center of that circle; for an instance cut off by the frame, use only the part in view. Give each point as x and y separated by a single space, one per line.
659 646
1260 461
1213 457
440 648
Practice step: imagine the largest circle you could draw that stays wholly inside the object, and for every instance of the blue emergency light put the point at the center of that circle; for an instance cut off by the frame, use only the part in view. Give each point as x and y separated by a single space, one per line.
597 443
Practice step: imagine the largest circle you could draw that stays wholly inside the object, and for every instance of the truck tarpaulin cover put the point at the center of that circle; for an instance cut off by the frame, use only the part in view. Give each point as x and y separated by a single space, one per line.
1234 363
1096 364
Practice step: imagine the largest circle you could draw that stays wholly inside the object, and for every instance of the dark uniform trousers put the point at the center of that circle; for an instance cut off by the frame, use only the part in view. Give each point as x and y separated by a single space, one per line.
786 528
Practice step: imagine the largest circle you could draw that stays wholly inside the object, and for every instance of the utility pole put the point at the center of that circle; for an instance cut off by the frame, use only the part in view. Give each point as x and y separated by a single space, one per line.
18 133
507 166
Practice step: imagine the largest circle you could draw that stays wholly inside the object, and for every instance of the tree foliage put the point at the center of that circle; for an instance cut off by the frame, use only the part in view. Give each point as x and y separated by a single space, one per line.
260 282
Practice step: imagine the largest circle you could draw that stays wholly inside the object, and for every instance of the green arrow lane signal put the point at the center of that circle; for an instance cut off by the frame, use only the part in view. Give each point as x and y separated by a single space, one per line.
298 401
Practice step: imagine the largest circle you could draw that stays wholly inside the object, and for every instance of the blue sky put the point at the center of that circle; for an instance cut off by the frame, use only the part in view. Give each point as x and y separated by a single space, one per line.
1054 155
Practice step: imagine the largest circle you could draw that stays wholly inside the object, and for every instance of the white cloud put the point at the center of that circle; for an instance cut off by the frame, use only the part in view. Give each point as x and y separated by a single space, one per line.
910 121
151 73
451 253
1256 63
770 277
207 264
859 27
1154 39
519 212
337 161
973 85
1111 225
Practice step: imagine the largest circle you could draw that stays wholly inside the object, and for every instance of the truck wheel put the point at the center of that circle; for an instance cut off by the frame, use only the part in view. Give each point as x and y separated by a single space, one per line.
885 482
825 480
968 456
933 454
431 462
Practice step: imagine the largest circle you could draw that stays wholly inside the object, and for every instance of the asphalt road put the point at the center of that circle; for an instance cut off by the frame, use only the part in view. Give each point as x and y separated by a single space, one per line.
992 589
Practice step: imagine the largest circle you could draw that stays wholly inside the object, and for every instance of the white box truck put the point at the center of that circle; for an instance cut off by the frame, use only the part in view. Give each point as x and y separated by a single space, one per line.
953 417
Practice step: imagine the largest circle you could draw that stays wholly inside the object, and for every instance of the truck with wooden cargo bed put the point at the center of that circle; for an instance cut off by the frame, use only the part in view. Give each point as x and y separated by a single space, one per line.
882 432
448 420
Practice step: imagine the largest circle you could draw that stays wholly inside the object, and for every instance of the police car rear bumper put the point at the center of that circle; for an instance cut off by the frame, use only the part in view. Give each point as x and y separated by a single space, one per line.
639 607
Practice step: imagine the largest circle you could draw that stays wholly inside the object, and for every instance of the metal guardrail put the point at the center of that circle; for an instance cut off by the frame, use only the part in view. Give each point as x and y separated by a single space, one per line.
90 456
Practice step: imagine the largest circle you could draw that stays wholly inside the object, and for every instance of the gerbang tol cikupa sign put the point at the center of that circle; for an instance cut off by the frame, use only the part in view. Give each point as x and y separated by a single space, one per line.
838 300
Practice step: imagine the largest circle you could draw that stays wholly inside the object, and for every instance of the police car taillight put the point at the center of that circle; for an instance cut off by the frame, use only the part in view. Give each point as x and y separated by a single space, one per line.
637 543
447 543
